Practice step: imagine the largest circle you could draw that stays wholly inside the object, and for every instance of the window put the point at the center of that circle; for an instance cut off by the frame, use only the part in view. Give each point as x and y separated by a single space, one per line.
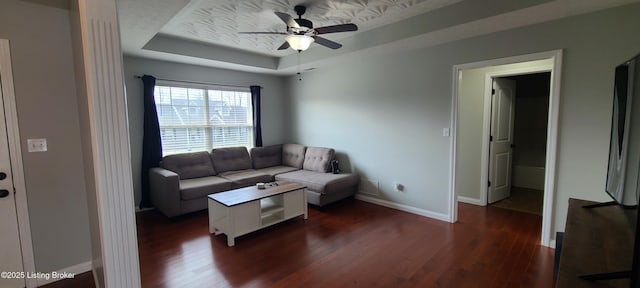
202 118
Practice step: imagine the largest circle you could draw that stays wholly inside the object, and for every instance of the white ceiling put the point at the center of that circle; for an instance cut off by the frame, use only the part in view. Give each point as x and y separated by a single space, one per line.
204 32
219 21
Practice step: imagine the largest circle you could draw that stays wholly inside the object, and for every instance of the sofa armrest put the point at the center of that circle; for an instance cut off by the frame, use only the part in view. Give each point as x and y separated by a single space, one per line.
165 191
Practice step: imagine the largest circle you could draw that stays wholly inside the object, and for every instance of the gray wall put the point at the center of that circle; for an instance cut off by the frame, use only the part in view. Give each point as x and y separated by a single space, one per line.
387 113
275 123
47 108
471 93
530 123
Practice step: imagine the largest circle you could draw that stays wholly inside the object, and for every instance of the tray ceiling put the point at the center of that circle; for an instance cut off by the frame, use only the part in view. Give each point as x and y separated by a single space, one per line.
205 32
219 21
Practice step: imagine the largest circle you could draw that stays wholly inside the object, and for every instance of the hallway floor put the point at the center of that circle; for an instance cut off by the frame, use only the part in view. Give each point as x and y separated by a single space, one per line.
523 200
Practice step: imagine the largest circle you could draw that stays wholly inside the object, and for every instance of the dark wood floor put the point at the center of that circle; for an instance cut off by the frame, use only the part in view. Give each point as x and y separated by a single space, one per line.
84 280
350 244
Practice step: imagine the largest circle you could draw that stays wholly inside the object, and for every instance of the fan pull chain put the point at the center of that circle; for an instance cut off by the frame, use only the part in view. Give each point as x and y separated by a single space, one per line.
299 75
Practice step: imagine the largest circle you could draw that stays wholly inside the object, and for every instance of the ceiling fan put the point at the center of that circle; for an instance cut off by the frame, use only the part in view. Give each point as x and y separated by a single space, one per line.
300 32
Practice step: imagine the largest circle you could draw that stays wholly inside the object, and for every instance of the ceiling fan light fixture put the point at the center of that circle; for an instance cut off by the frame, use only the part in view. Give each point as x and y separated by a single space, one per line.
299 42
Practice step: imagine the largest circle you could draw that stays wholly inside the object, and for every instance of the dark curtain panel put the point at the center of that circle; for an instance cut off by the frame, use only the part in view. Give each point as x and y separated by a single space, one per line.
257 125
151 143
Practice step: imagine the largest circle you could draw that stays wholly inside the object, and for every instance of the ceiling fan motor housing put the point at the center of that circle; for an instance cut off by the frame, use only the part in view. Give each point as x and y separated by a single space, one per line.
304 23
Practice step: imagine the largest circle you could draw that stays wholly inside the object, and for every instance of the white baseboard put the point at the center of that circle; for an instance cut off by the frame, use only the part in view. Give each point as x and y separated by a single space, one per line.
405 208
75 270
552 244
471 201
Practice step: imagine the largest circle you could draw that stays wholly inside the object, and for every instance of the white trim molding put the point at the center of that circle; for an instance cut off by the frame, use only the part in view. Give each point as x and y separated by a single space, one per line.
472 201
105 136
486 123
452 208
552 129
405 208
17 168
552 150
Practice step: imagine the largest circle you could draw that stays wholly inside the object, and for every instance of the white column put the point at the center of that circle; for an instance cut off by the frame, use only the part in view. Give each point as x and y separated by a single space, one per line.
102 106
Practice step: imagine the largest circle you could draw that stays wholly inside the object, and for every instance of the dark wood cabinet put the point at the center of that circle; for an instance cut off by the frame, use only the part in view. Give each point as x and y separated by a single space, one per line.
596 240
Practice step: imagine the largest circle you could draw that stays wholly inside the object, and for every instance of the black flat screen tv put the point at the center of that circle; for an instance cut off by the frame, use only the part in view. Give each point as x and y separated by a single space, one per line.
623 172
631 186
624 147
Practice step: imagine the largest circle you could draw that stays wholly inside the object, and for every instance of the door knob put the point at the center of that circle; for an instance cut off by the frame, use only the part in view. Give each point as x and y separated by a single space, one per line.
4 193
3 175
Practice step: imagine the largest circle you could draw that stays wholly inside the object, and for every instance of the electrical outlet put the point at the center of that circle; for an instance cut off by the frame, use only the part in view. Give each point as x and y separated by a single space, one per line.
37 145
398 187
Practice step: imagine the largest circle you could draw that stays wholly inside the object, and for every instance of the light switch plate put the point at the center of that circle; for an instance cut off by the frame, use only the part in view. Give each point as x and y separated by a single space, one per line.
37 145
445 132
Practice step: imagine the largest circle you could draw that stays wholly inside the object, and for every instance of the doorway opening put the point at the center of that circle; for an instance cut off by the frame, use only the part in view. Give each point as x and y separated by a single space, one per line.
520 184
474 141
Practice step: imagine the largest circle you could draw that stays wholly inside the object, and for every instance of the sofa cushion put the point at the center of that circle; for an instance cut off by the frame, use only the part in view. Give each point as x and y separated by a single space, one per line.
275 170
318 159
201 187
245 178
324 183
268 156
189 165
230 159
293 155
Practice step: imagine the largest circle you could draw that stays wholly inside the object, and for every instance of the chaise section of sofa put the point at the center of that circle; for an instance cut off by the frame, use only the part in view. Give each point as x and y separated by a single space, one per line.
182 181
322 187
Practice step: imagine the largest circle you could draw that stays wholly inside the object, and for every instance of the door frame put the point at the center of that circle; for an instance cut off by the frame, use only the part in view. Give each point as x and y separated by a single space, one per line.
486 123
17 168
552 132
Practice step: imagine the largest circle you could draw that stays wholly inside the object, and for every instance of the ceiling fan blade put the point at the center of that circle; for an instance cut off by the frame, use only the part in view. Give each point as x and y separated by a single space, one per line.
286 18
327 43
284 46
276 33
337 28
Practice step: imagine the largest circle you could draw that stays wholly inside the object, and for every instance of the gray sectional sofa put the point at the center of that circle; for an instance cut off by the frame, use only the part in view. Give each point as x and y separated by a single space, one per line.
182 182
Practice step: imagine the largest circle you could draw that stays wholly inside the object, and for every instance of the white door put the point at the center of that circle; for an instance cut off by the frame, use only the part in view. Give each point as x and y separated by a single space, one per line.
10 251
500 154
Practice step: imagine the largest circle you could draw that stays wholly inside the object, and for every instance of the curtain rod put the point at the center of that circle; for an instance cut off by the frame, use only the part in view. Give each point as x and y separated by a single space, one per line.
200 83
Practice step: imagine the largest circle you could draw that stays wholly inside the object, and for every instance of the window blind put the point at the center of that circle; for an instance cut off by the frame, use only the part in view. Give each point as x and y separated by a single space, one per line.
201 118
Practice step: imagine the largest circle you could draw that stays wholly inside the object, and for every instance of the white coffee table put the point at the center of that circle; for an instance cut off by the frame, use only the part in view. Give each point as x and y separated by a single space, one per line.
241 211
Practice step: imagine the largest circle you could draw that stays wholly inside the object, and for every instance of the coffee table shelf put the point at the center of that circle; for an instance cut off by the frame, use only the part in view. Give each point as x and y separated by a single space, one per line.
271 209
241 211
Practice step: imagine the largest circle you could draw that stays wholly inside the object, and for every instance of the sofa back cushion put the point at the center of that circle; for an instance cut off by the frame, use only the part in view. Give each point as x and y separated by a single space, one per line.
231 159
293 155
189 165
318 159
269 156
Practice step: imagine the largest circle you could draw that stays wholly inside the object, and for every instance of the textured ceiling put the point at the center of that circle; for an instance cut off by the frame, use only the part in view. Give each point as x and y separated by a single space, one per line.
204 32
219 21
